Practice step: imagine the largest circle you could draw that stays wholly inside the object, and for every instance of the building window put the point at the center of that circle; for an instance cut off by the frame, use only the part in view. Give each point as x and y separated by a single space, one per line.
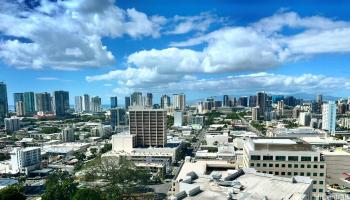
314 190
308 166
295 165
264 165
320 190
292 158
276 173
270 172
302 174
315 166
289 165
270 165
302 166
314 182
283 165
283 173
322 166
295 173
315 158
308 174
267 157
258 164
289 173
314 174
277 165
320 182
281 158
252 164
321 174
254 157
305 158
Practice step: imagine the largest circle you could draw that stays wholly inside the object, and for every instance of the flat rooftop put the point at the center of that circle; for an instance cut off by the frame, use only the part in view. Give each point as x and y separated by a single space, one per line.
278 144
274 141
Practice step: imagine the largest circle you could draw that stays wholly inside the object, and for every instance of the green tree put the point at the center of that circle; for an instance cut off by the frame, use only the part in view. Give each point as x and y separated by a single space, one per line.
88 194
80 155
93 151
106 148
59 186
13 192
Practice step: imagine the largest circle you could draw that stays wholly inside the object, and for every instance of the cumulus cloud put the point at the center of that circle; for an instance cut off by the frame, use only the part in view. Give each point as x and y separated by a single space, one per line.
67 35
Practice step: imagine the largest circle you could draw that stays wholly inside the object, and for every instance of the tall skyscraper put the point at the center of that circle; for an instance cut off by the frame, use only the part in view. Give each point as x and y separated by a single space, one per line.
114 102
319 99
149 126
329 112
117 117
3 101
225 101
136 99
86 103
29 103
17 97
127 102
165 102
149 100
78 104
243 101
96 104
179 101
60 103
261 102
43 102
252 101
20 108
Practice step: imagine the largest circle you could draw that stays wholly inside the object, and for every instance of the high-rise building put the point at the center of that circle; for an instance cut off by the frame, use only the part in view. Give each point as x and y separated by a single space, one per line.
127 102
24 160
304 118
117 117
12 124
165 102
319 99
86 103
252 101
149 100
329 112
255 113
280 108
3 101
178 118
29 103
96 104
67 135
78 107
261 102
179 101
20 108
114 102
60 103
286 158
17 97
225 101
149 126
136 99
243 101
43 102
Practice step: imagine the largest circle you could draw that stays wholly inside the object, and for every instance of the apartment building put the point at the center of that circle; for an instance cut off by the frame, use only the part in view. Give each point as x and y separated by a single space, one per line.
287 157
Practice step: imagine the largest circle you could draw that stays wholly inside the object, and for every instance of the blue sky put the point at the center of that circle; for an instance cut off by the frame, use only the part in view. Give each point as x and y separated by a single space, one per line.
108 48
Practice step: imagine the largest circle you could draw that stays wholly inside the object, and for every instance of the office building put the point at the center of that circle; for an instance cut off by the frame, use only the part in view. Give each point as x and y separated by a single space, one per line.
29 103
24 160
178 118
261 102
3 101
329 116
225 101
118 117
179 101
12 124
136 99
127 102
149 100
86 103
304 119
17 97
165 102
255 114
252 101
149 126
96 104
43 102
20 108
114 102
60 103
277 98
243 101
319 99
78 107
280 108
287 158
67 135
338 167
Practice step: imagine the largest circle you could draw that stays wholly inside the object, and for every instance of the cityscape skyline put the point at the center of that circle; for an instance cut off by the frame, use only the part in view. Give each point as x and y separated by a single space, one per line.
286 44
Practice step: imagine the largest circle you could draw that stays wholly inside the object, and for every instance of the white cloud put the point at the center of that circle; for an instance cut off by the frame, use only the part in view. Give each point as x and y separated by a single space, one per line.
200 23
46 78
67 35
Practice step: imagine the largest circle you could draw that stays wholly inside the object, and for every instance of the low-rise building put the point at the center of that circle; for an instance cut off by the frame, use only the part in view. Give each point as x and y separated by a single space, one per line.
24 160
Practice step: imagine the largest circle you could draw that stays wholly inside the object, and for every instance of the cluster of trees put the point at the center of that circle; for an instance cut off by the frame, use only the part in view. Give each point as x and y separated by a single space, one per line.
4 156
13 192
259 127
122 180
290 124
211 116
50 130
170 121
